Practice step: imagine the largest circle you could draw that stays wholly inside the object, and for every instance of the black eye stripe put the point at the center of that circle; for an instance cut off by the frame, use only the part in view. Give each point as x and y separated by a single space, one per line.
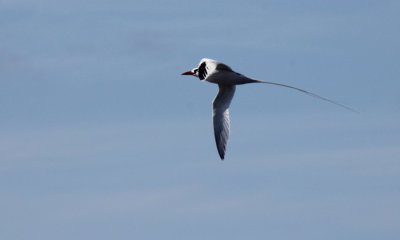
202 71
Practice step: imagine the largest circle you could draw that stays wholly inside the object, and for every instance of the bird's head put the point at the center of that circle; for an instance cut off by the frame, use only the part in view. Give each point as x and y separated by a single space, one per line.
202 70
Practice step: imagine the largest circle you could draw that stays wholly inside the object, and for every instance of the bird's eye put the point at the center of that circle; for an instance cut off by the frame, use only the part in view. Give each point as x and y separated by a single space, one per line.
195 71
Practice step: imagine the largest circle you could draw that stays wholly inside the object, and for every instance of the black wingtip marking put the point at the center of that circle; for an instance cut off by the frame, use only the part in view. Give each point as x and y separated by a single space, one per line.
221 153
202 71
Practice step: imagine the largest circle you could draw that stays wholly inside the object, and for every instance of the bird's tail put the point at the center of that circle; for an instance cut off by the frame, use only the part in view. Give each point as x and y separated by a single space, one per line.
308 93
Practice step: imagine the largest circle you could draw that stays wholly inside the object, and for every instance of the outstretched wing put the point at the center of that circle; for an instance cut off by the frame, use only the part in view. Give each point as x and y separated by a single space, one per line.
221 120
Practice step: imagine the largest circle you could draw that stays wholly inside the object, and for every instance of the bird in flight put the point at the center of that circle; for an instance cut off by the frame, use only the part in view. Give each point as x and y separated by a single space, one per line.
219 73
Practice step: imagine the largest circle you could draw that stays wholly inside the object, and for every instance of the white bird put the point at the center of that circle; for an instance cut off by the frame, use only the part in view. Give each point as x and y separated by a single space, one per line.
216 72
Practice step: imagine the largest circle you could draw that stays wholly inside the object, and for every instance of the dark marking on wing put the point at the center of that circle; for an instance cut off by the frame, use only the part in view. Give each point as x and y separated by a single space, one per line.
223 67
202 71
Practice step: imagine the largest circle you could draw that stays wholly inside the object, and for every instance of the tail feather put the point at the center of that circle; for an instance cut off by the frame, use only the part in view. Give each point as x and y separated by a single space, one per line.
308 93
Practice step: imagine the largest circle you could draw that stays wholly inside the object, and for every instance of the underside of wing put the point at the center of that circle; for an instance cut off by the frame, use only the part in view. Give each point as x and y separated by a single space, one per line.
221 120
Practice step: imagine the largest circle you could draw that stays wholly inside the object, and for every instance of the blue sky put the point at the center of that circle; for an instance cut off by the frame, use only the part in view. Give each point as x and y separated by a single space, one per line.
102 138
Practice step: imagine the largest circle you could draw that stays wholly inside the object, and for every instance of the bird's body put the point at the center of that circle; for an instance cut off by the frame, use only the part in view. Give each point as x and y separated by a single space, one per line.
224 77
216 72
